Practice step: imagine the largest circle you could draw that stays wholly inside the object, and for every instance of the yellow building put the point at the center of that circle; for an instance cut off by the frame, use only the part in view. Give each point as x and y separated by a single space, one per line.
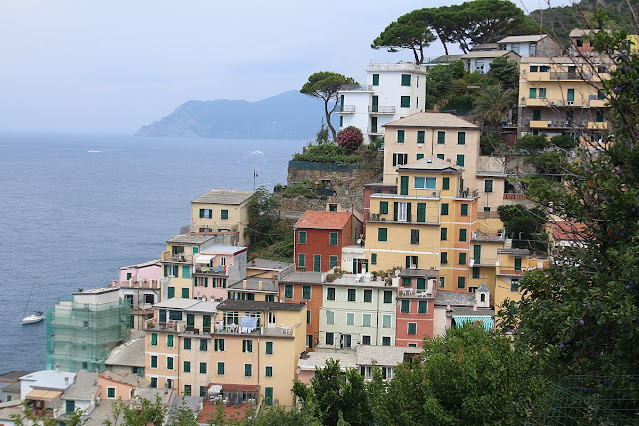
511 266
446 137
223 212
563 95
427 223
236 350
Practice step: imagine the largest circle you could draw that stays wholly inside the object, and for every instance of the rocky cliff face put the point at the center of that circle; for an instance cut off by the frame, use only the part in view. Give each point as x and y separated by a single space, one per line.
289 115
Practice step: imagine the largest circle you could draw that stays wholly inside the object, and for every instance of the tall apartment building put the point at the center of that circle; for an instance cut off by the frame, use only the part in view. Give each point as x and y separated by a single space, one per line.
81 331
391 91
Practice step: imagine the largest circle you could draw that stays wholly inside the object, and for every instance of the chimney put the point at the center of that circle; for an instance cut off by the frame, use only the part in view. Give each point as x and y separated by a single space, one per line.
66 380
260 285
244 283
57 368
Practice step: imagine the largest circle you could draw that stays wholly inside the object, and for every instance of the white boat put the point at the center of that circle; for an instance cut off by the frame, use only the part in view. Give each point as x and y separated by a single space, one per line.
33 318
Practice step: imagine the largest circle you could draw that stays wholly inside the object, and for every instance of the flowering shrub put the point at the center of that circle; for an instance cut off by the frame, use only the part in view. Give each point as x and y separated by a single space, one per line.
350 138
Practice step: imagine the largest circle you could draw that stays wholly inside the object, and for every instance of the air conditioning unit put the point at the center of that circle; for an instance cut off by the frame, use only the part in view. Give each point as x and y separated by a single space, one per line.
434 193
553 103
570 103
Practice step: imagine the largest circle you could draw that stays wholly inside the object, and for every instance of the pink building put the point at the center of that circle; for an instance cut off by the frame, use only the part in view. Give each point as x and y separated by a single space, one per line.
415 306
216 269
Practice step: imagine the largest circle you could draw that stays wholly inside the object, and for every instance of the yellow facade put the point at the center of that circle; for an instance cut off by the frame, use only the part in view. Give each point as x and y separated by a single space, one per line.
177 264
512 265
221 211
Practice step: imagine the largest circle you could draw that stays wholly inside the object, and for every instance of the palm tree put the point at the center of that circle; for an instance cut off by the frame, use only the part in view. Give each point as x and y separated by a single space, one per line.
491 105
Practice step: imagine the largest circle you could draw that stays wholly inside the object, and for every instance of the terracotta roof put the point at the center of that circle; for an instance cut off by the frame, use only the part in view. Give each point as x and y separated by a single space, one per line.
323 219
432 119
565 230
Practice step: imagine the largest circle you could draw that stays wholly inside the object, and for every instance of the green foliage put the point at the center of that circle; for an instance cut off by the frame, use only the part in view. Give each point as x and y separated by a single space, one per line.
489 143
524 226
263 218
350 138
325 85
533 143
565 141
550 165
335 397
326 153
459 105
139 412
276 415
322 135
410 31
183 416
507 72
491 104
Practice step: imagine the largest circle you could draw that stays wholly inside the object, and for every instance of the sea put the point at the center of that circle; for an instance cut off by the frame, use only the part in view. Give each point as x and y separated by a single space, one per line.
75 208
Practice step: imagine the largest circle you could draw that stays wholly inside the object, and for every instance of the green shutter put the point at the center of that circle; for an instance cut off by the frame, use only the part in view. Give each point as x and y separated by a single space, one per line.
317 263
375 79
332 261
269 348
420 156
412 328
532 94
383 207
462 258
421 136
248 370
536 114
401 134
201 213
445 183
154 339
382 234
220 368
441 137
332 239
518 264
477 253
408 212
460 160
224 214
301 260
406 79
395 209
461 282
405 309
185 293
421 212
444 258
170 292
421 284
461 138
464 209
444 209
186 271
462 234
373 258
444 234
422 307
571 95
403 186
187 367
268 392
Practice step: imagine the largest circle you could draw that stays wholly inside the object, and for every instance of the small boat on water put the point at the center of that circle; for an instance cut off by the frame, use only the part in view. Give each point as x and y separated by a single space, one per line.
33 318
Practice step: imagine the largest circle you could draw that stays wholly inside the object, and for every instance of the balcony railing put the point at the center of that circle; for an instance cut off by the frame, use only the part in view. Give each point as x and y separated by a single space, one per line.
485 261
212 270
468 193
488 215
559 75
167 256
412 219
150 284
345 109
356 88
514 196
484 236
381 109
182 327
374 131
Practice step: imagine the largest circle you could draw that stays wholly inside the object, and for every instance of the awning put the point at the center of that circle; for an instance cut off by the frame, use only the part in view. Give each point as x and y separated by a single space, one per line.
486 321
49 395
204 258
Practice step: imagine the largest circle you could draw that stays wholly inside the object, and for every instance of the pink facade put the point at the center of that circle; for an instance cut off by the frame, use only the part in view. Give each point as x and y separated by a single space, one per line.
148 271
214 272
415 306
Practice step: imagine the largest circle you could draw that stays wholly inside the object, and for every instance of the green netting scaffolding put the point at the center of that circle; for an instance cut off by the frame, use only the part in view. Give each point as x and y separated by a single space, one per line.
591 400
81 336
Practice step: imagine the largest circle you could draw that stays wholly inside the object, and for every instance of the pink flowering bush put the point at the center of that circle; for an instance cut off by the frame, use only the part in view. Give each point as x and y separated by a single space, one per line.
350 138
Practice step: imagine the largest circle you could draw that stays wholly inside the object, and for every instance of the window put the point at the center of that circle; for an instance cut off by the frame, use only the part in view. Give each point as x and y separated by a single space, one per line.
421 136
308 316
154 361
444 234
206 213
386 341
412 328
461 282
382 234
462 234
332 239
220 368
443 258
186 367
218 345
70 405
169 340
440 156
570 97
411 262
407 281
330 339
332 261
185 293
383 207
268 371
373 258
401 134
341 121
154 339
422 307
420 156
536 115
171 270
441 282
464 209
386 321
203 368
599 118
368 296
542 93
224 214
476 273
306 292
514 285
532 94
421 212
534 68
248 370
462 258
414 236
375 79
425 183
288 291
270 298
301 260
373 124
441 137
154 382
187 390
317 263
445 183
366 320
399 159
461 138
460 160
488 185
405 79
149 299
518 264
444 209
330 317
600 95
351 295
247 346
544 68
388 296
405 102
170 292
330 293
169 363
350 318
405 308
187 343
268 349
110 392
301 237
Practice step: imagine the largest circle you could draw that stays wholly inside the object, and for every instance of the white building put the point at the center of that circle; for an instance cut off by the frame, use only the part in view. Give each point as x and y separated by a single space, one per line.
392 91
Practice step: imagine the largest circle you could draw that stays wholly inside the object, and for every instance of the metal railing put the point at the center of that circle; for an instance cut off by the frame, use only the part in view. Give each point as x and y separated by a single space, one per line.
381 109
562 75
345 108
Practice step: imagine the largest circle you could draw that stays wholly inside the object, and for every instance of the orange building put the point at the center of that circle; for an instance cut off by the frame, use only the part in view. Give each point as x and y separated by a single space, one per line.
305 287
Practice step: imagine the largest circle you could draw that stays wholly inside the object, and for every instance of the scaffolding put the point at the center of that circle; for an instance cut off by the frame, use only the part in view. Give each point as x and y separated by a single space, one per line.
81 335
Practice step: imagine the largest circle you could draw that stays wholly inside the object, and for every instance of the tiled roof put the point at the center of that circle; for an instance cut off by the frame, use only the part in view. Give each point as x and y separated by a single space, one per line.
432 164
487 54
432 119
323 219
224 196
523 38
84 387
482 288
190 239
303 277
127 379
383 355
154 262
569 231
454 298
253 284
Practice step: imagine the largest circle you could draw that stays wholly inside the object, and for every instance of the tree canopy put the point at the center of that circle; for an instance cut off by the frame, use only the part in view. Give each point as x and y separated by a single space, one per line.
410 31
325 85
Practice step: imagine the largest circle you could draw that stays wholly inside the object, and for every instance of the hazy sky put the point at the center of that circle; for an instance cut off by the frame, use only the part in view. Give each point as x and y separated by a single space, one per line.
112 66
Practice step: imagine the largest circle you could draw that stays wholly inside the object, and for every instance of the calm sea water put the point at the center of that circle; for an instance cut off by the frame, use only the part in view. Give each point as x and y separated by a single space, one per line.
69 218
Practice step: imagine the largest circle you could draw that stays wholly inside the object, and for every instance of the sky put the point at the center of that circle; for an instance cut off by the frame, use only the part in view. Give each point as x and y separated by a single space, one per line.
112 66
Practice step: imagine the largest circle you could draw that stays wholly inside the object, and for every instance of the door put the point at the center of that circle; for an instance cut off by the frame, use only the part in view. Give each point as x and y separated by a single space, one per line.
375 106
571 95
373 124
190 322
317 263
477 253
272 320
341 103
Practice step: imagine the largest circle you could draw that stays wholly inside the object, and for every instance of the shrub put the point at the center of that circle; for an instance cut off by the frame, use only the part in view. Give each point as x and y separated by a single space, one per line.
533 143
350 138
326 153
565 141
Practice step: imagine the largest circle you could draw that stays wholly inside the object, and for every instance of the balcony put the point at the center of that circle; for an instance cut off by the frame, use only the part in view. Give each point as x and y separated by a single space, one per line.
374 109
167 256
485 262
374 131
488 215
594 102
597 125
510 273
211 270
141 284
345 109
468 193
489 237
356 88
432 219
515 196
559 75
551 124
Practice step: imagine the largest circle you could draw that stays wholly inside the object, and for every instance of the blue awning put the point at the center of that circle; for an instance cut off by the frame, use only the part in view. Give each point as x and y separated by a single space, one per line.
486 321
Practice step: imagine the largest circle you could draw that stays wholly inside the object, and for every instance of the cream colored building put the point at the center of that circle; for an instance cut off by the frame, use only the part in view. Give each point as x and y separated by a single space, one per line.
511 266
221 211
